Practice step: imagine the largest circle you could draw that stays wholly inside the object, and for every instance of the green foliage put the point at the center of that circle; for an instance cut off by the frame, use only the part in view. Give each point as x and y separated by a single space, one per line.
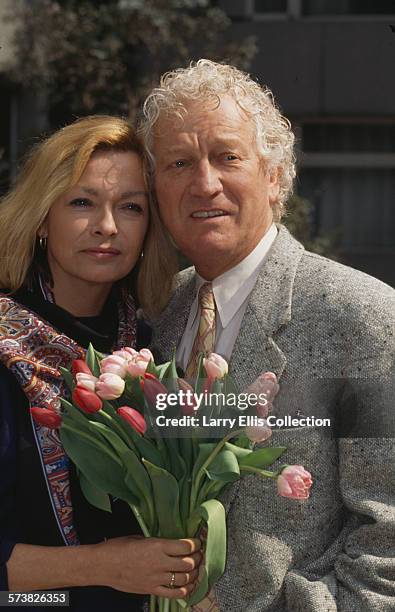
299 221
101 57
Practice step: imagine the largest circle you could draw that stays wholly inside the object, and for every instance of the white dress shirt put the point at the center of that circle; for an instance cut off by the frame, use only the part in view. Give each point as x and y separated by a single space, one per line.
231 292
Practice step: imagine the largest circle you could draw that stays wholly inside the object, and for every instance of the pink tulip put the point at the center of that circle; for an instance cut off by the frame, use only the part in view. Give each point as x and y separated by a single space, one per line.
215 366
258 433
146 354
134 418
263 407
86 400
110 386
125 354
79 365
189 402
46 417
294 482
114 364
86 381
137 366
266 384
131 351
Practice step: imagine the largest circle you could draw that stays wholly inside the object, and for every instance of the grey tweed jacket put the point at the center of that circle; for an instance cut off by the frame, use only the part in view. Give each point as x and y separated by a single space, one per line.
328 332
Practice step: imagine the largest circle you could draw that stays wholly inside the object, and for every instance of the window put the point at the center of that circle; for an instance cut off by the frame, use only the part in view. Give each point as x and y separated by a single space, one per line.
270 6
348 138
348 7
347 171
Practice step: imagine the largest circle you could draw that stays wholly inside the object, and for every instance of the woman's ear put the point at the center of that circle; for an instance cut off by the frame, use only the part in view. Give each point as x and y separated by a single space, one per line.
42 231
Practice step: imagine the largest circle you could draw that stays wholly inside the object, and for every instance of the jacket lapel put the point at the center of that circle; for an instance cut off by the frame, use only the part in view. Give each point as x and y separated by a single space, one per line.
169 327
269 309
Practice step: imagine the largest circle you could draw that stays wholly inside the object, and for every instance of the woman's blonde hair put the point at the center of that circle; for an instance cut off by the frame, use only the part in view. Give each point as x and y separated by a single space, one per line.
206 80
51 168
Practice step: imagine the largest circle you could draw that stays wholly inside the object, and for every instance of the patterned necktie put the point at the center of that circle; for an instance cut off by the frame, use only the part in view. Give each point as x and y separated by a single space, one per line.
205 338
204 343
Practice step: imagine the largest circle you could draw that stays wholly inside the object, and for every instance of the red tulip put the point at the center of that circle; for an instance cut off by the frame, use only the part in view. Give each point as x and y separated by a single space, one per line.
86 400
79 365
134 418
44 416
188 408
152 387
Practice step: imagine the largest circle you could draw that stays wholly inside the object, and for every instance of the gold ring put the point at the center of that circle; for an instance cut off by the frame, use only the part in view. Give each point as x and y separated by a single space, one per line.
172 580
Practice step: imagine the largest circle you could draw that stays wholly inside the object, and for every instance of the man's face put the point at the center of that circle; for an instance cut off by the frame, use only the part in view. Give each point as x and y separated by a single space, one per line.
213 189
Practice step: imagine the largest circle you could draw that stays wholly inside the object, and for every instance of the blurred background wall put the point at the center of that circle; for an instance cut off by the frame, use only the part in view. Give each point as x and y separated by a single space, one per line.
330 64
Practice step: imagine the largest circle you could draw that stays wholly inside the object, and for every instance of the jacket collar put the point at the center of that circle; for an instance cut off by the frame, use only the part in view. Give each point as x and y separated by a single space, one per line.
269 308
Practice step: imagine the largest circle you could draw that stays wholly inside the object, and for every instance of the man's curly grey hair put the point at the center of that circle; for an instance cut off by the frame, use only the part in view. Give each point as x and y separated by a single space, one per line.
205 80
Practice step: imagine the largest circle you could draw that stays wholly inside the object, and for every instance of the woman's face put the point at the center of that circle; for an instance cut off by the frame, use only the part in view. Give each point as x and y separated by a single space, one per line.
96 229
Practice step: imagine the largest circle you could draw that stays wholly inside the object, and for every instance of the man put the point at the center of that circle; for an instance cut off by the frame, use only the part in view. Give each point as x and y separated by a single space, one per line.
222 167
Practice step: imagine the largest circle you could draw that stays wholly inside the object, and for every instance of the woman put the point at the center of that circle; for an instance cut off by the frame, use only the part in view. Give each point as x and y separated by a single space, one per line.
74 227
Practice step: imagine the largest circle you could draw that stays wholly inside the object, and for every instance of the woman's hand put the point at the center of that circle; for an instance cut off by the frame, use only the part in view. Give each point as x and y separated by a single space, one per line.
146 565
133 564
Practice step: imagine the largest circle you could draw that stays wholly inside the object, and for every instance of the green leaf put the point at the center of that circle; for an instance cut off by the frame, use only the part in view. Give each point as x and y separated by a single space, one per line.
205 449
99 467
95 496
263 457
152 368
74 414
92 360
170 375
213 513
224 467
167 501
237 450
68 377
201 375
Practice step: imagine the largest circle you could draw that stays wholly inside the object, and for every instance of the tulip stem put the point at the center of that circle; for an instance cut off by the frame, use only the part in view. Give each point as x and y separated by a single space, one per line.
140 520
111 420
254 470
199 475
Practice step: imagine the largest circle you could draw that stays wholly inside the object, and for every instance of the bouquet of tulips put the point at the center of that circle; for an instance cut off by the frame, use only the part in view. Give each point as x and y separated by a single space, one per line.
171 482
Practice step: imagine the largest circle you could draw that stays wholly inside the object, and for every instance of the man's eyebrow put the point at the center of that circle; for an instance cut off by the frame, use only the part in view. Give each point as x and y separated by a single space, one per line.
223 141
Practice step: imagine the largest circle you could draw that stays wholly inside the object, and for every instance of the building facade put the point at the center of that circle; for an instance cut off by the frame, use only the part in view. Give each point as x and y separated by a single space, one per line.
330 64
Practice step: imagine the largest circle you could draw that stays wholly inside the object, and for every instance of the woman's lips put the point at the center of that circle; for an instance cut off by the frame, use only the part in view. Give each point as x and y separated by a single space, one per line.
102 253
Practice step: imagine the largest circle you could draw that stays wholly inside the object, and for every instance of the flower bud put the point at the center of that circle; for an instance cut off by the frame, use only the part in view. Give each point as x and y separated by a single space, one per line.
125 354
294 482
79 365
152 387
189 405
134 418
46 417
86 381
114 364
146 355
266 384
215 366
258 433
137 366
86 400
110 386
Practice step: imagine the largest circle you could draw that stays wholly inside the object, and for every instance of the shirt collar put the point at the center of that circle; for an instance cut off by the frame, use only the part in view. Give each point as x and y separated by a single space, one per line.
233 286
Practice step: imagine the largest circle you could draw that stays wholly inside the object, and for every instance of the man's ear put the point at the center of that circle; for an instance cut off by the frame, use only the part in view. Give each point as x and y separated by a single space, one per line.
274 184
